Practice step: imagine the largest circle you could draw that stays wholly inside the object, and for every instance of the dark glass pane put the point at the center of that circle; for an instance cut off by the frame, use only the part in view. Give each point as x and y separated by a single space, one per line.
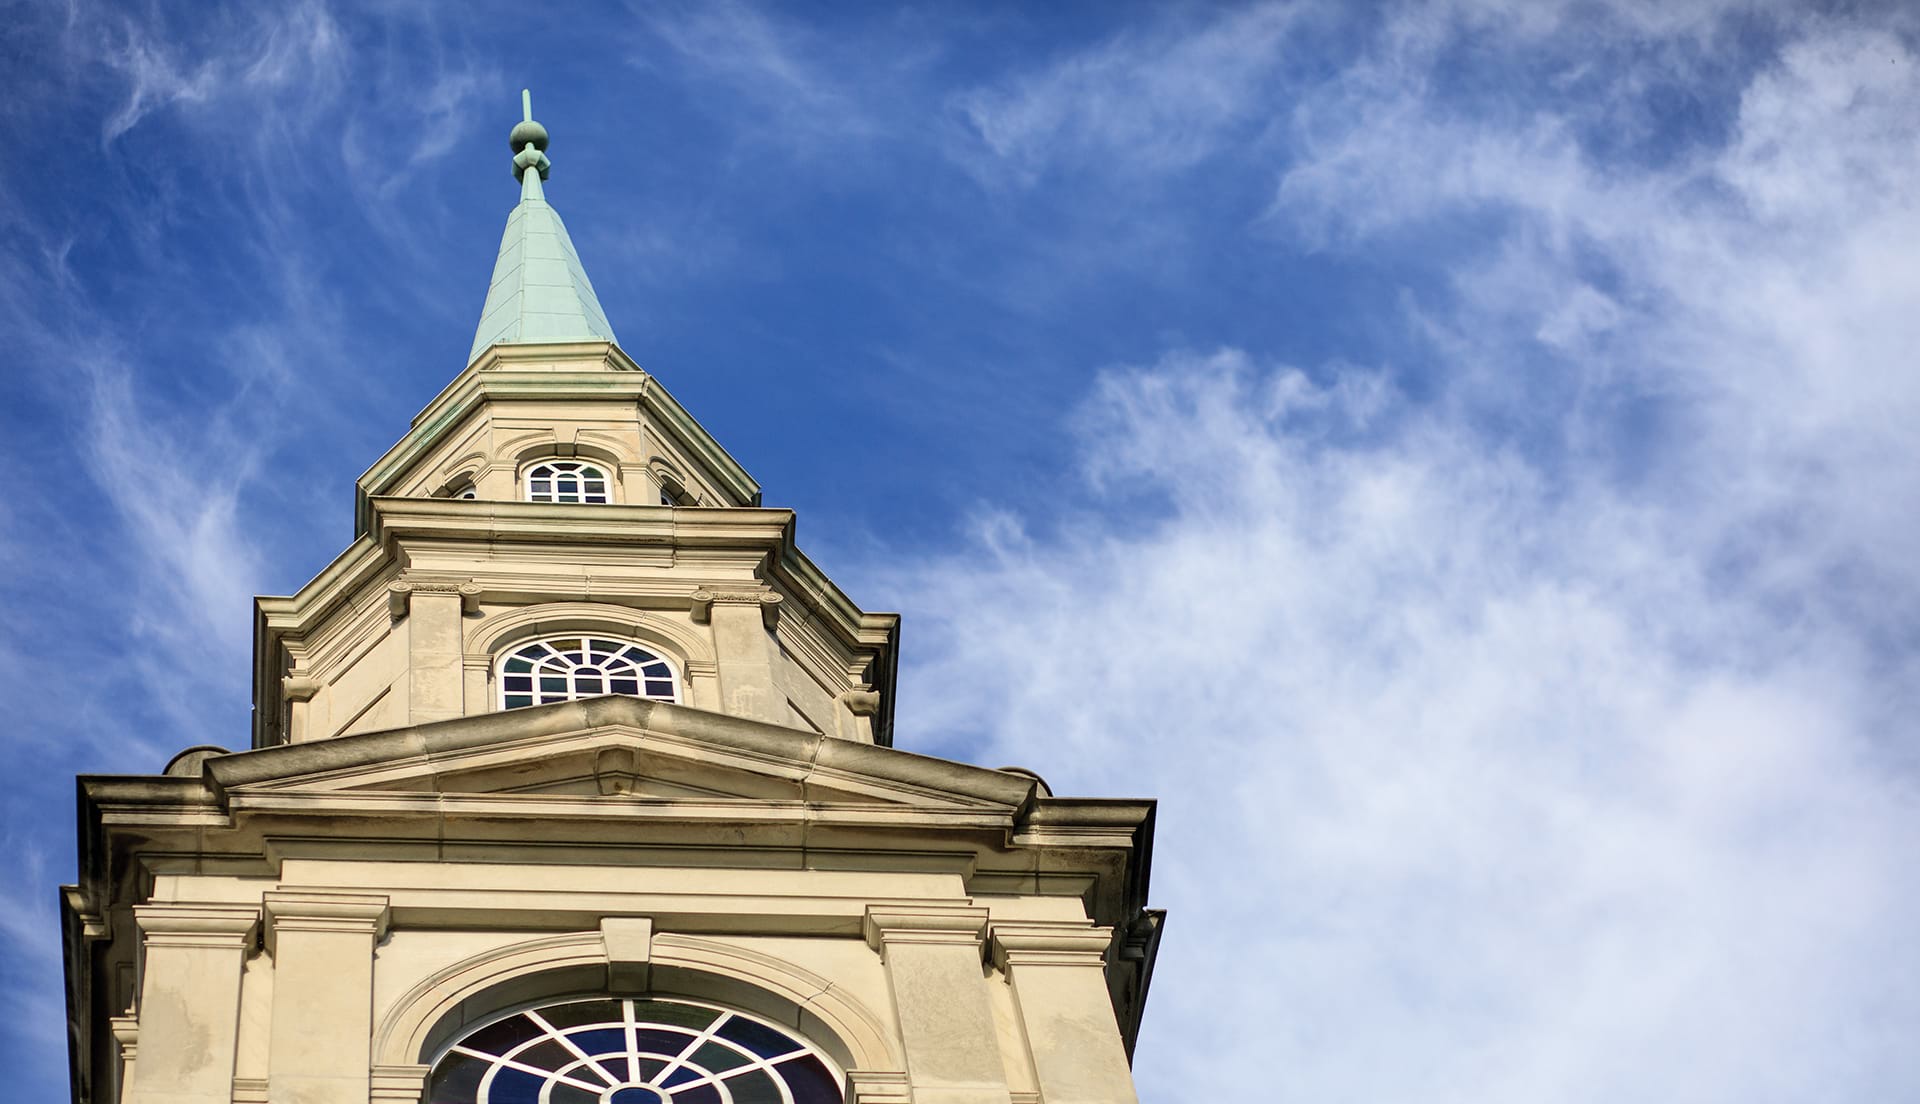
553 685
659 689
599 1040
550 1055
571 643
636 655
590 671
501 1037
588 686
625 686
518 663
660 1040
699 1094
607 646
456 1080
715 1056
537 650
599 498
549 699
512 1086
810 1080
753 1087
649 1068
675 1014
758 1037
568 1094
516 701
581 1013
657 669
681 1076
574 657
519 682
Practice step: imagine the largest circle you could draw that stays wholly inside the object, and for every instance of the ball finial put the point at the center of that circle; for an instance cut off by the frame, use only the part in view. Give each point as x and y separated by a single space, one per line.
527 131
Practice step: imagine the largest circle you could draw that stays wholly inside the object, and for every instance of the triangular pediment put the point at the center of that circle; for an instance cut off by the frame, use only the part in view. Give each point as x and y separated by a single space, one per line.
622 749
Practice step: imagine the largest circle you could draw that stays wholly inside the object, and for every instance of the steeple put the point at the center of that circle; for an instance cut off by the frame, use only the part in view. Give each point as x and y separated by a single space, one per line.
540 293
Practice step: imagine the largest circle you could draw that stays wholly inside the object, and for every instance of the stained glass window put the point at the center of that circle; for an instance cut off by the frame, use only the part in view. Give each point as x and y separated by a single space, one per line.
566 481
563 668
621 1051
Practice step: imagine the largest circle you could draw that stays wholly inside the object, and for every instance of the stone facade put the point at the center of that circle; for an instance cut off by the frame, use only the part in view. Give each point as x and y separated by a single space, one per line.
398 857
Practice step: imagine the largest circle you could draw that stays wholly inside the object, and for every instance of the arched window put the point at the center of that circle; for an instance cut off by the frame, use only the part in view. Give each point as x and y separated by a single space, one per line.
467 493
564 668
566 481
632 1051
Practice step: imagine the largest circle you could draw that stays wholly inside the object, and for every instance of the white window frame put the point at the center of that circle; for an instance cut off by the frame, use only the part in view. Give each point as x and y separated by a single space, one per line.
551 466
578 682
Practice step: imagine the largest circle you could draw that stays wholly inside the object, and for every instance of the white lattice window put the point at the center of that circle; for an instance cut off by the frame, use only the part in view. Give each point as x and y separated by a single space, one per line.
614 1050
566 481
564 668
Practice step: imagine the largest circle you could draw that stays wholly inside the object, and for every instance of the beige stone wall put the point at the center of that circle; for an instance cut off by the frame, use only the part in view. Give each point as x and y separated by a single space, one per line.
379 665
341 979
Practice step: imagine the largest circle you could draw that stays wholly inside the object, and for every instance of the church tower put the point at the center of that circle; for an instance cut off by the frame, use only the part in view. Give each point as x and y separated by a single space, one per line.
572 781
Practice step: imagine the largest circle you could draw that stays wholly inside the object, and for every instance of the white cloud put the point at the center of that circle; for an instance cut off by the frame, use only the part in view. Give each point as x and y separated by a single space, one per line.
1495 767
1473 791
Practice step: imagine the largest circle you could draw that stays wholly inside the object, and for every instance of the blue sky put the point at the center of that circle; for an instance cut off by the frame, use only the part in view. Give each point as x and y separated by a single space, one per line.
1458 455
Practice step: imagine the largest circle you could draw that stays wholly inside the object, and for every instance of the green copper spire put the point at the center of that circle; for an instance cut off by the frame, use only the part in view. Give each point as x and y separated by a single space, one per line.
539 291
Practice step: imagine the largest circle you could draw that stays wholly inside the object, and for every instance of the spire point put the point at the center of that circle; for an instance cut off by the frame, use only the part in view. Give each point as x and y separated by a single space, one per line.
539 292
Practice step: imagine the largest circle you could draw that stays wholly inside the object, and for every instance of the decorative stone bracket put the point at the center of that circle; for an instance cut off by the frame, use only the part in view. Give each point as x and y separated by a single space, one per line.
1049 944
351 913
704 599
629 946
400 594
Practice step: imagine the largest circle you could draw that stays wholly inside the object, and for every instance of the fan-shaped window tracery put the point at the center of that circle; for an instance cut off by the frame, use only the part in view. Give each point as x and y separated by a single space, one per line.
632 1051
564 668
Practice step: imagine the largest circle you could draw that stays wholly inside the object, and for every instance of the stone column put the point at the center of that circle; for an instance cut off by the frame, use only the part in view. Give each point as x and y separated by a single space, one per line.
1058 973
743 645
933 960
320 1047
190 1000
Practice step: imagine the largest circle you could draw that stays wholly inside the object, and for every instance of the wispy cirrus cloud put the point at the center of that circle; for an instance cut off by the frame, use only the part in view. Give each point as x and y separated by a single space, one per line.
795 78
1145 100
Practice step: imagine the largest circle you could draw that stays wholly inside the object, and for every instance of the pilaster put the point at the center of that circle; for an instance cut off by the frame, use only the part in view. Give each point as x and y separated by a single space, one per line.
126 1039
1058 974
190 1000
744 647
320 1047
436 661
398 1084
934 970
878 1087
